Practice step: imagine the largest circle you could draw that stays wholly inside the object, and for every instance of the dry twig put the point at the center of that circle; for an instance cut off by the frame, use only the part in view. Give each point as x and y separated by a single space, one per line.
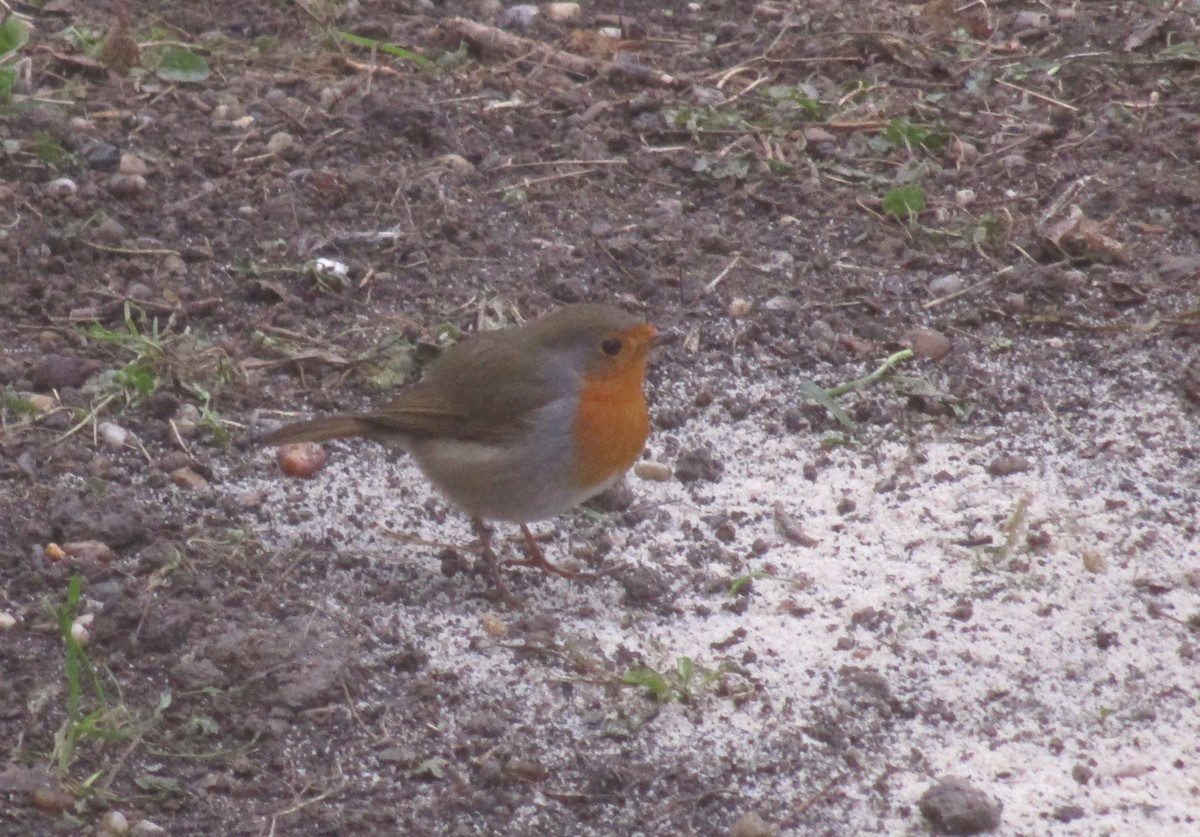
497 41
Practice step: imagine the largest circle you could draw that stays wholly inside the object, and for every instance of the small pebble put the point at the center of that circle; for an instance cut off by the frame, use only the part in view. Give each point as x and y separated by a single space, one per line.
330 96
145 828
114 824
819 136
526 770
563 12
113 435
80 633
330 268
518 17
187 478
457 163
280 142
110 231
1069 813
781 302
243 122
138 290
186 419
1003 466
42 403
62 186
955 806
301 460
965 152
126 185
102 156
132 164
672 207
493 625
781 260
173 265
752 825
927 343
740 308
944 285
251 499
765 11
7 620
1029 21
652 471
698 465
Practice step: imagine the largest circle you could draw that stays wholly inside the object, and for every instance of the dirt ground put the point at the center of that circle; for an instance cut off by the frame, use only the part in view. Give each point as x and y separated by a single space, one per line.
786 189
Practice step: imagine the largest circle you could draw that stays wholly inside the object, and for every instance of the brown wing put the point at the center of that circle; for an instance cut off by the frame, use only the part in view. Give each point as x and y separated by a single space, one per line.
481 390
486 387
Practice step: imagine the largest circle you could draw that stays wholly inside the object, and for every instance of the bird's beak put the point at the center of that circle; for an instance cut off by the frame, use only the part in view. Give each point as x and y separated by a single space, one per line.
645 334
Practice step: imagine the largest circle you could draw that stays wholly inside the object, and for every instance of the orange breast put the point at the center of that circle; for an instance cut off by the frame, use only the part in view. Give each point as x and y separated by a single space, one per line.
611 426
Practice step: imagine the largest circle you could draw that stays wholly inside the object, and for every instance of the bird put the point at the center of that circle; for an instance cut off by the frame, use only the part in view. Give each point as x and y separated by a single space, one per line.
518 424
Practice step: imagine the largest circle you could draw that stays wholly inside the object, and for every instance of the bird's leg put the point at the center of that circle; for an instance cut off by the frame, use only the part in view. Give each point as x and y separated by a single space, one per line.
534 557
491 563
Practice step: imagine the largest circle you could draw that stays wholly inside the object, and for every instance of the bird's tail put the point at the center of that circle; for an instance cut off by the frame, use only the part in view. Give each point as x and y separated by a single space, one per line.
318 430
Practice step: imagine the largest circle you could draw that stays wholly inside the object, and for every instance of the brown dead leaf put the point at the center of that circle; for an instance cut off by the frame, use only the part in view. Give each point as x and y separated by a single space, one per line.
599 45
972 16
856 345
789 527
273 290
81 60
1149 229
1080 236
1144 32
1126 290
329 358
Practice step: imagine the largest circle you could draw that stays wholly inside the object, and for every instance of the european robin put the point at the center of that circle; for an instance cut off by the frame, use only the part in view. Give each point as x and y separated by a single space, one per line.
519 424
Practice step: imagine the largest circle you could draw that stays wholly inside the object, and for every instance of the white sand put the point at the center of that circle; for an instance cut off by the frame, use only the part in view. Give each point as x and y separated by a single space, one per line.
1013 698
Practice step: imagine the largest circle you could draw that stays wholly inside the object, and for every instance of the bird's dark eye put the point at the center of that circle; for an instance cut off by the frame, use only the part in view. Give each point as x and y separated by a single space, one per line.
611 347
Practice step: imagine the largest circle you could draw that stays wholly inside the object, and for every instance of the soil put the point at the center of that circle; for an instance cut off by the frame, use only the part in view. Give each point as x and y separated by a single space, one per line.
272 661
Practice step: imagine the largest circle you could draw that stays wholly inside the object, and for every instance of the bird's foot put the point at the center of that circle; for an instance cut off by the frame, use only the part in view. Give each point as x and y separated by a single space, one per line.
534 557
